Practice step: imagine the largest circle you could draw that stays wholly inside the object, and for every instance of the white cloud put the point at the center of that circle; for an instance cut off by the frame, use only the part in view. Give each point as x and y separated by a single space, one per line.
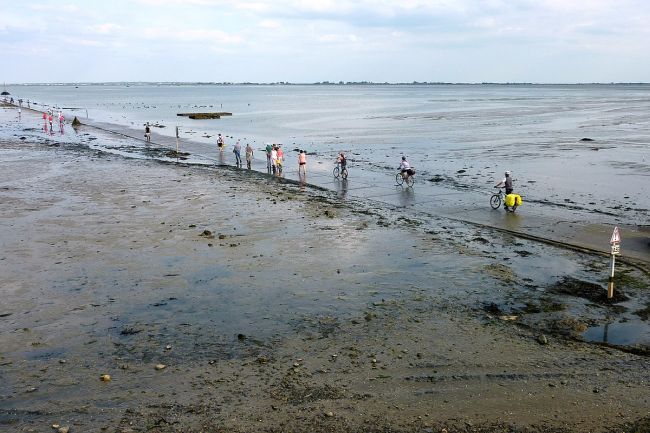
269 24
209 36
105 28
338 38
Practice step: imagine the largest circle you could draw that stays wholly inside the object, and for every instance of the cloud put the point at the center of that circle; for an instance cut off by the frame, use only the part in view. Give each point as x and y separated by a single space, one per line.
337 38
269 24
105 28
191 35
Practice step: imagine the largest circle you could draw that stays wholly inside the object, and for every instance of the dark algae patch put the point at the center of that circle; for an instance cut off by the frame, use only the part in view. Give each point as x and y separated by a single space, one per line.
583 289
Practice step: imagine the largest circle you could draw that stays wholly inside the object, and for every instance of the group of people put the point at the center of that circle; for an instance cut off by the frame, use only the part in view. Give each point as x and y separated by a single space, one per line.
48 117
237 151
274 156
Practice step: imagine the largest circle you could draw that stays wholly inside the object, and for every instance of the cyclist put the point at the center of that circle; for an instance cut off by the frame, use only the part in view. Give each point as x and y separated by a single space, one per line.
506 182
342 161
405 168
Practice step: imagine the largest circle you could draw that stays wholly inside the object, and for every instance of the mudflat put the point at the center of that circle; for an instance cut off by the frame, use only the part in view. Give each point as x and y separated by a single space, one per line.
218 299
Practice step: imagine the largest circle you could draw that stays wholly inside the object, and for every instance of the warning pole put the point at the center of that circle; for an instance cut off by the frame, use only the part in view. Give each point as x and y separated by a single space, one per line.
610 287
616 249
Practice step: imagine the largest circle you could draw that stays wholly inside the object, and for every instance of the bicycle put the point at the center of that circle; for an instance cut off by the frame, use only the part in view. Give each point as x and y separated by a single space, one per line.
340 172
497 198
399 180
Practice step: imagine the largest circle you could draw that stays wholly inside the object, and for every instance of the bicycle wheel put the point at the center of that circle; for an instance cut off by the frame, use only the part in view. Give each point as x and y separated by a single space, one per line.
335 172
495 201
344 173
410 181
399 180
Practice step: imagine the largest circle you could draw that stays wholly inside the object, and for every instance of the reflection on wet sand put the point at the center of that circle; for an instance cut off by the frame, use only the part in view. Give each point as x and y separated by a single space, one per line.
407 197
342 188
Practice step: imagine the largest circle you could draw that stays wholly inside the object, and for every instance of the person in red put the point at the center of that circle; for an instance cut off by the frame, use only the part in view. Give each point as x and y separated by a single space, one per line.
45 120
50 118
280 159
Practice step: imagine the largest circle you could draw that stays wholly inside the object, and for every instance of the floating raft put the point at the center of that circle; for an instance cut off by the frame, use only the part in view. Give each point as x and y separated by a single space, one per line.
216 115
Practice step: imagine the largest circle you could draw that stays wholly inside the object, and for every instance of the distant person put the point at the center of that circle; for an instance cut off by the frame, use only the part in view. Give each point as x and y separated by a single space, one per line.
280 159
302 163
249 155
61 122
506 182
220 143
147 132
269 151
274 158
50 119
405 168
19 113
45 119
28 104
342 161
20 102
237 151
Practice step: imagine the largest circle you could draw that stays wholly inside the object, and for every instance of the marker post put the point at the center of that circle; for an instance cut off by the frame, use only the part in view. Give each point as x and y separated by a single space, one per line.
615 241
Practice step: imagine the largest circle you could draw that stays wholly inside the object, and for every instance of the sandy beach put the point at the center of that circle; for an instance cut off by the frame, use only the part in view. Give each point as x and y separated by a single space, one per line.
219 299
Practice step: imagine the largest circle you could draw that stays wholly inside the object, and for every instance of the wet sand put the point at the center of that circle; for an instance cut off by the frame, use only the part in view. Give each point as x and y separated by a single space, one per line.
297 311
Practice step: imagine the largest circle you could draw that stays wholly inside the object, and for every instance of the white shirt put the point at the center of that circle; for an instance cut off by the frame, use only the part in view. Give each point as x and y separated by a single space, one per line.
404 165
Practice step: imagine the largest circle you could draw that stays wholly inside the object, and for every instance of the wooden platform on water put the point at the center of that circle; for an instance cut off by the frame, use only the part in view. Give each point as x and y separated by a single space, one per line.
216 115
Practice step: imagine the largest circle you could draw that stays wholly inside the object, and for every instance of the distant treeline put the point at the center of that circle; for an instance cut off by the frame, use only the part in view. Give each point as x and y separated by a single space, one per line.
325 83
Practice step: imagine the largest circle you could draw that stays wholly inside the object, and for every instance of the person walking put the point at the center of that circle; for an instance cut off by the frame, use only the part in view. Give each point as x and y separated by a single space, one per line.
280 159
221 143
237 151
249 155
147 132
50 119
274 158
61 122
302 163
269 151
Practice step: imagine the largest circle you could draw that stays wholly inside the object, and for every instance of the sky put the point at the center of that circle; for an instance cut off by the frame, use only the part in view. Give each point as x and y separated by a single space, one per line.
304 41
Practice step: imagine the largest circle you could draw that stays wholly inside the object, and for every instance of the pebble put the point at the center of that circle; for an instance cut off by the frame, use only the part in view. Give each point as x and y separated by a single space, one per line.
168 347
160 366
64 429
329 414
542 339
105 377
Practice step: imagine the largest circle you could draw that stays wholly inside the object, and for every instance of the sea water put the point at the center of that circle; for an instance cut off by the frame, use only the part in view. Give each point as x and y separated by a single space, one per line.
582 144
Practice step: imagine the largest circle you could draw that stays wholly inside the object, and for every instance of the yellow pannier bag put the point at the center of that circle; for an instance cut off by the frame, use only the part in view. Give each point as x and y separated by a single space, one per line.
513 200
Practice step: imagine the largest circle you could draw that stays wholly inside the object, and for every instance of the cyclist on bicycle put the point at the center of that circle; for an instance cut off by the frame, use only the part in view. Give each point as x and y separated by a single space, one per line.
506 182
405 168
342 162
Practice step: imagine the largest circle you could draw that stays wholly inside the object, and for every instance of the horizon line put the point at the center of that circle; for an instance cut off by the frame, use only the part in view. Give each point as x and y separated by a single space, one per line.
331 83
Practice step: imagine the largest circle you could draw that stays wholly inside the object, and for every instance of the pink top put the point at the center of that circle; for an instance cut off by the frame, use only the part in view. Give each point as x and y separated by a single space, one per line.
302 158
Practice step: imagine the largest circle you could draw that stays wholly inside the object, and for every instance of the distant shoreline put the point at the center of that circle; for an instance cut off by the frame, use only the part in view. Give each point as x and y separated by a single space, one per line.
323 83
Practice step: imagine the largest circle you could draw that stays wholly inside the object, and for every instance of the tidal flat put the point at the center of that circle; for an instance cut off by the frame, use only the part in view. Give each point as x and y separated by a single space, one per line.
222 300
